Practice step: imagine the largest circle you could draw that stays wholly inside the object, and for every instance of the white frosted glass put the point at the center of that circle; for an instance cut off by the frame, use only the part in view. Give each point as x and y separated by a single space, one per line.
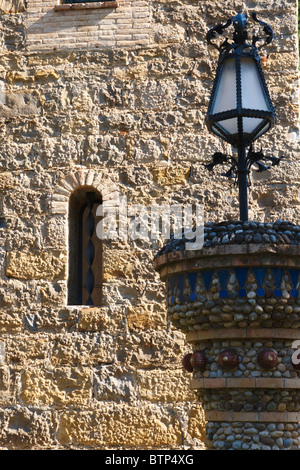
249 124
253 96
265 129
225 97
230 125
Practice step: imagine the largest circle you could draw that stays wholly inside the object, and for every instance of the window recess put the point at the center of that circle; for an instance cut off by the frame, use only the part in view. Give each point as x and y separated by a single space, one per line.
66 5
85 250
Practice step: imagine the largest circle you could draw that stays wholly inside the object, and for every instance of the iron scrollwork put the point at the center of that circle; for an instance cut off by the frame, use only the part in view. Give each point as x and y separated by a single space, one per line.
240 35
260 161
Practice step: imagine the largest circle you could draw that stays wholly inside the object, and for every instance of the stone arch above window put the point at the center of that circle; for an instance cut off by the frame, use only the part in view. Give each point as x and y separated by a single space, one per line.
99 181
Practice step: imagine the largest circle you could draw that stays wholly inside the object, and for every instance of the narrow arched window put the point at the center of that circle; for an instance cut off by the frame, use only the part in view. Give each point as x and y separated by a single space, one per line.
85 249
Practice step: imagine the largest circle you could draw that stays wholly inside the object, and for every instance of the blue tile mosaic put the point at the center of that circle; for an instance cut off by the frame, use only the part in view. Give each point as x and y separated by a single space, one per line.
223 278
277 276
260 274
178 282
241 274
294 276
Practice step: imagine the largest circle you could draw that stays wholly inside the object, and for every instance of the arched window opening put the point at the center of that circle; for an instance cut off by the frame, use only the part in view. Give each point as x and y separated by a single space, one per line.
85 249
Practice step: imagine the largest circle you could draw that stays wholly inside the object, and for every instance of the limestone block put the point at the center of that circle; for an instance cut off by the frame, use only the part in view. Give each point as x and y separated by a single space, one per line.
196 425
4 378
10 321
137 72
114 382
89 349
22 349
152 94
117 264
46 73
166 177
7 181
45 265
2 352
18 75
20 104
149 150
60 386
121 426
163 35
145 317
56 232
59 207
154 349
12 6
165 385
93 319
23 428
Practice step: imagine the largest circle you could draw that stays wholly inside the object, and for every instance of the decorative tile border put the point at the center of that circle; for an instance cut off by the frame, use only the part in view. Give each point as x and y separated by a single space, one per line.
245 382
241 273
244 333
258 417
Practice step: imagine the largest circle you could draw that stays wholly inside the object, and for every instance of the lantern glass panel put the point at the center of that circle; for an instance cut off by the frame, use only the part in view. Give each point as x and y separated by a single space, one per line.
250 124
226 93
265 129
253 96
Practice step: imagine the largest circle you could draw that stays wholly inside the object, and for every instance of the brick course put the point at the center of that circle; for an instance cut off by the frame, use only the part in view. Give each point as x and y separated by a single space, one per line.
76 26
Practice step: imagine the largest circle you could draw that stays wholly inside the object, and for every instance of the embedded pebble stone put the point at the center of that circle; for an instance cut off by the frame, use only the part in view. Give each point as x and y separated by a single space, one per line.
238 435
233 232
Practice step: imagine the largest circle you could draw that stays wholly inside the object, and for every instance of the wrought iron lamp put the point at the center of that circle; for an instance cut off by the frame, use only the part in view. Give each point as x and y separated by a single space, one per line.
240 109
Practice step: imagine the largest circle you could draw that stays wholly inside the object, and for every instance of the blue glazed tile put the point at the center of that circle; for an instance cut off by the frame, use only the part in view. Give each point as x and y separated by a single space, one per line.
193 296
277 292
277 275
294 276
223 293
242 292
260 292
223 277
172 285
192 277
181 279
241 274
260 274
207 276
294 293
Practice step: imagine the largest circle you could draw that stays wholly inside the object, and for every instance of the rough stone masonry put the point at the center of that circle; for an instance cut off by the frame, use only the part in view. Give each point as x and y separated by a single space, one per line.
113 96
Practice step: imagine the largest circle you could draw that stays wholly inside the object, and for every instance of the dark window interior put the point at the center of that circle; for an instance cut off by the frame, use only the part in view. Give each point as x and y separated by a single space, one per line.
85 250
83 1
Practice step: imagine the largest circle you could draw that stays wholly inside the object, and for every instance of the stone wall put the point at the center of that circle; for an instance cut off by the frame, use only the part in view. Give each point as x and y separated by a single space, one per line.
81 105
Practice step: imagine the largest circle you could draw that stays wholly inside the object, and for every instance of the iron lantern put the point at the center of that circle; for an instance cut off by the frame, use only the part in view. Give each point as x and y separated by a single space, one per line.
240 109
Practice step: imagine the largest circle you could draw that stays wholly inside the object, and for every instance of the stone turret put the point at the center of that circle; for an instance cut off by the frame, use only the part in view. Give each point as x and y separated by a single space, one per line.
238 301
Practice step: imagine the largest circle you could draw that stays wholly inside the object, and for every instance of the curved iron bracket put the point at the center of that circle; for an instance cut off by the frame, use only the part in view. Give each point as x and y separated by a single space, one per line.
219 29
240 35
258 158
266 29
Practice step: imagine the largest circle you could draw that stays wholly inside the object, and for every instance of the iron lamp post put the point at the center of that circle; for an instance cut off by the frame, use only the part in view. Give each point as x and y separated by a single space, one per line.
240 109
